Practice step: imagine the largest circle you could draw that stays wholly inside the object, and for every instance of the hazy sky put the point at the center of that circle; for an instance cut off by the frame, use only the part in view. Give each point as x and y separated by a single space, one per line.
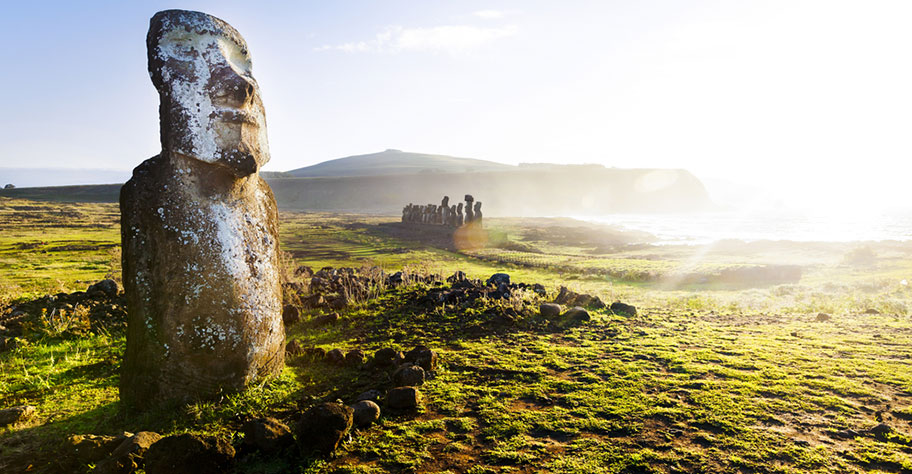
811 99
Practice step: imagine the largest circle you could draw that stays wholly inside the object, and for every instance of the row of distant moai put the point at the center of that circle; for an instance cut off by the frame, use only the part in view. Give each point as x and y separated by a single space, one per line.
444 214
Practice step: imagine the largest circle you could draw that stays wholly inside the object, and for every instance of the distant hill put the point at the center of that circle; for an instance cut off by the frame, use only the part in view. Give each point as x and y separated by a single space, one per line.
392 162
383 183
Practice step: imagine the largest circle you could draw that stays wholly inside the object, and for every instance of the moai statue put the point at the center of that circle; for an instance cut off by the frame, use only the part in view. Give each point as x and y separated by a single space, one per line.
459 218
444 210
452 221
468 209
477 213
405 212
199 226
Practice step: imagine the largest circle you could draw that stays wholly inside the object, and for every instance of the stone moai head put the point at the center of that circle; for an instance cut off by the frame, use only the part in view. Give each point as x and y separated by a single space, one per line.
445 202
469 198
478 207
459 209
210 109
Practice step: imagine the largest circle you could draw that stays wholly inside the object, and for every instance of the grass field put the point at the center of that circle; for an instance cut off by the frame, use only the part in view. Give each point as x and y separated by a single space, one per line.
712 375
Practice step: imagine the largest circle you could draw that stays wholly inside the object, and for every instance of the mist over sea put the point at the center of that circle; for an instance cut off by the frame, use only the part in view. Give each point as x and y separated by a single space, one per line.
778 225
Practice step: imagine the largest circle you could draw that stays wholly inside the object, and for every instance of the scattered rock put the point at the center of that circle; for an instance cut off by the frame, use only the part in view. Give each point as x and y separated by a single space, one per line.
190 454
267 434
795 334
291 315
326 319
881 431
871 311
365 413
385 357
354 358
128 457
89 448
424 357
335 356
504 319
315 353
372 395
576 315
498 279
623 309
821 317
403 398
18 414
322 427
107 287
550 310
408 376
294 348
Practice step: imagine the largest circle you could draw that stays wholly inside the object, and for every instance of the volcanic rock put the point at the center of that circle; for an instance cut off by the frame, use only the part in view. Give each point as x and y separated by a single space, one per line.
322 427
199 226
189 454
365 413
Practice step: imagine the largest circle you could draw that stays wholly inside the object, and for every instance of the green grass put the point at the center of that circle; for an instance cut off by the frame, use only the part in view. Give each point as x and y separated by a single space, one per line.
704 379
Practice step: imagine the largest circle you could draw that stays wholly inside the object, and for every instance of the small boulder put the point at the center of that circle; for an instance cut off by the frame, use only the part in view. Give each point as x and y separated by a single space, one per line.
576 315
365 413
267 435
18 414
597 303
623 309
408 376
354 358
315 353
294 348
106 287
128 457
871 311
322 427
422 356
335 356
498 279
822 317
403 398
550 310
326 319
372 395
290 315
190 454
385 357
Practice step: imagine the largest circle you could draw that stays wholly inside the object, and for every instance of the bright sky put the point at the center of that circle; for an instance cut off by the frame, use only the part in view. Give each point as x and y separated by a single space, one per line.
809 99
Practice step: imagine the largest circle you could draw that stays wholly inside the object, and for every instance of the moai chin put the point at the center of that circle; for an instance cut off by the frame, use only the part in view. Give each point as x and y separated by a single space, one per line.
199 226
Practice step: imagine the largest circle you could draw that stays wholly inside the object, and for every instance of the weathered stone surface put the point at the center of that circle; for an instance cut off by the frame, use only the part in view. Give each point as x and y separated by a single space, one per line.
89 448
199 226
385 357
403 398
372 395
190 454
550 310
354 358
365 413
623 309
291 315
424 357
576 315
107 287
19 414
267 434
128 457
408 376
322 427
335 356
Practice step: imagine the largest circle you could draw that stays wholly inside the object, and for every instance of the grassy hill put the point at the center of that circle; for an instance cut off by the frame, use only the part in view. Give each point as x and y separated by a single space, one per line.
383 183
391 162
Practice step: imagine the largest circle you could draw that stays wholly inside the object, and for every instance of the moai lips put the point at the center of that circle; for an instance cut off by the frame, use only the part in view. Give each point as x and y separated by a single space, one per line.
199 226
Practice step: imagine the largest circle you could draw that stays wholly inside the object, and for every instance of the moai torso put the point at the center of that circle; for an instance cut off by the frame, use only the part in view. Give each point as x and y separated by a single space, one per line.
469 215
199 226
